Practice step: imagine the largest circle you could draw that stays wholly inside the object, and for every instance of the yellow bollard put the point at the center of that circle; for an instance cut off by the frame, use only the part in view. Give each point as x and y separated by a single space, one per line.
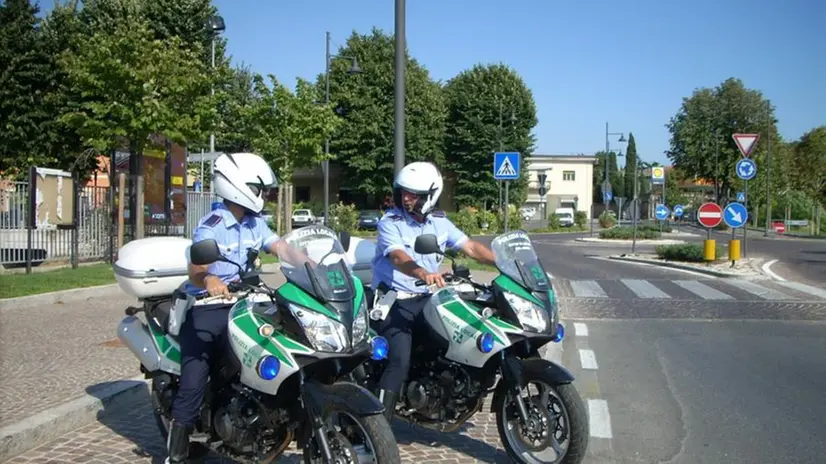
733 250
709 250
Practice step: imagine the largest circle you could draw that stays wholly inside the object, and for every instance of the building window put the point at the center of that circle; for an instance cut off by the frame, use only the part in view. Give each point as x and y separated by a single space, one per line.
568 175
302 194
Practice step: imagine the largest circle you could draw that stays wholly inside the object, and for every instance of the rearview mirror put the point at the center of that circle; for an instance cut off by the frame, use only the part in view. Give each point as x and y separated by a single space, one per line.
427 244
204 252
344 238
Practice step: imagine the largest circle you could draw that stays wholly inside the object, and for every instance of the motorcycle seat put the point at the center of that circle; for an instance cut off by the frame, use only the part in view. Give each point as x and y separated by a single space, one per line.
158 311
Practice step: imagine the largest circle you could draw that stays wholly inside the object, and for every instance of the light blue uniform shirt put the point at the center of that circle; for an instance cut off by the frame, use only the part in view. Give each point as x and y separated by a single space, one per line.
234 239
398 231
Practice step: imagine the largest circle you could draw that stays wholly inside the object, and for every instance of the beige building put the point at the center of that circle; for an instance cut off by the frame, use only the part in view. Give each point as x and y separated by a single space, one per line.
569 181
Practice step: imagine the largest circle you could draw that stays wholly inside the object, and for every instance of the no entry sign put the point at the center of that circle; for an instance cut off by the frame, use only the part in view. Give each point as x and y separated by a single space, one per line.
710 215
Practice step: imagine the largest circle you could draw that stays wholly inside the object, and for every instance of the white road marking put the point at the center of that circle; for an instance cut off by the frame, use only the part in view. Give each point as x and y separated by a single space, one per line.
588 360
600 419
587 289
644 288
767 269
672 269
818 292
703 290
761 291
580 329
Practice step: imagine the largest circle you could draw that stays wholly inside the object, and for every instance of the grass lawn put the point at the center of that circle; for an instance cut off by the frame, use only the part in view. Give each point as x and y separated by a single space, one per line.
15 285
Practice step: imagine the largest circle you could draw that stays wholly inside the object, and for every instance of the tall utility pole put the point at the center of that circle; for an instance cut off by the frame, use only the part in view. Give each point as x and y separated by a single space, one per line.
216 26
401 62
606 184
768 168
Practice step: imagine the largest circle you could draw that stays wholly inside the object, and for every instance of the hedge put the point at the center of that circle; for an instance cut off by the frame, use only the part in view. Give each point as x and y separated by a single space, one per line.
627 233
686 252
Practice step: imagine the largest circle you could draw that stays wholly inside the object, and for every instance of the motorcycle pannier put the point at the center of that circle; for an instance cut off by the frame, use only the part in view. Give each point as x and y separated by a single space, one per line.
152 267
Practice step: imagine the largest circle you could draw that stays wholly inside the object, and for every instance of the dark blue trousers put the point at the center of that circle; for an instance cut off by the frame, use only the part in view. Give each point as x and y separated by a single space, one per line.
203 337
397 328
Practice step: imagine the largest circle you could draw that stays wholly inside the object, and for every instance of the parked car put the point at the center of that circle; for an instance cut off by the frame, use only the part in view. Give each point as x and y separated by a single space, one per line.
369 219
303 217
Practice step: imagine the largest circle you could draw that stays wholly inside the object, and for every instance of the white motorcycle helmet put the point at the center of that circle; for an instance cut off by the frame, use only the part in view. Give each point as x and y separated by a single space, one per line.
422 179
243 179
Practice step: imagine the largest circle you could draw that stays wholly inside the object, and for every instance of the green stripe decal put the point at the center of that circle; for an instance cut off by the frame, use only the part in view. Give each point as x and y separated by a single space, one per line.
510 285
165 346
466 315
297 295
250 328
282 340
359 294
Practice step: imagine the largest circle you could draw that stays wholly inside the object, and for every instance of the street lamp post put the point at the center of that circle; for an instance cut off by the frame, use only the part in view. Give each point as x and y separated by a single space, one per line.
354 69
216 26
399 92
506 203
606 184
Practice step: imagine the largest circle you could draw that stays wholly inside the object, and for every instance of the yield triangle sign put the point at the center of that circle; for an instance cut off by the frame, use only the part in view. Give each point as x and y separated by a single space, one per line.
506 169
746 143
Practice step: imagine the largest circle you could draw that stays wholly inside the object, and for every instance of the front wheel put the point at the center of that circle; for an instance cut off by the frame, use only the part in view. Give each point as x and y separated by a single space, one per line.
557 426
354 439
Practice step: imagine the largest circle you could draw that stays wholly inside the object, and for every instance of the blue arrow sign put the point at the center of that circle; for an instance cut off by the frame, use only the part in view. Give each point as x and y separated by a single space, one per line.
746 169
735 215
662 212
607 197
678 210
741 197
506 165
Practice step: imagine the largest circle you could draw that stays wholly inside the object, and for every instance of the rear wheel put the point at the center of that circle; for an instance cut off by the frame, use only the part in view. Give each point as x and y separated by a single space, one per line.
355 439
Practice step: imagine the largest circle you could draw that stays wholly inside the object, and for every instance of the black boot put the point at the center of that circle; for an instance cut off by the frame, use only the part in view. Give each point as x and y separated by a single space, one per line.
388 399
178 443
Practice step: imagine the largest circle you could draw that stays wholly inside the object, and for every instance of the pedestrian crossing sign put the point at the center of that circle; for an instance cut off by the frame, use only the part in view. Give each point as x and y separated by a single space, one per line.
506 165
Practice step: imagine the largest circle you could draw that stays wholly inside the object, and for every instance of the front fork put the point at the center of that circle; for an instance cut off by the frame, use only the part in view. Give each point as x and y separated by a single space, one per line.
512 375
316 423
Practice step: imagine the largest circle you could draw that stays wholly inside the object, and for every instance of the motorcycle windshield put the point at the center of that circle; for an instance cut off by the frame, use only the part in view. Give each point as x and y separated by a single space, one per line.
517 259
315 261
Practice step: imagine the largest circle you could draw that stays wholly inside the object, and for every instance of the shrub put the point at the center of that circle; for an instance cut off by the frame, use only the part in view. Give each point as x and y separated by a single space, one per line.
553 222
487 217
465 220
343 218
627 233
514 220
606 220
654 227
580 219
688 252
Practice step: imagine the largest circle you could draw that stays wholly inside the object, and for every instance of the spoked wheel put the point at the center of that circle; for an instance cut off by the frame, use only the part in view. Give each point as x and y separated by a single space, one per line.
355 439
557 427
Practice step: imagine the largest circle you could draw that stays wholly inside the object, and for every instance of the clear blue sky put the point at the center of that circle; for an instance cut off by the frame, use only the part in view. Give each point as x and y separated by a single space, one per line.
627 63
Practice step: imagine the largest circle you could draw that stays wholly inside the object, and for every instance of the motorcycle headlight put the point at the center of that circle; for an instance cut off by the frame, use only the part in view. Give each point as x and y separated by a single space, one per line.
532 316
360 323
324 333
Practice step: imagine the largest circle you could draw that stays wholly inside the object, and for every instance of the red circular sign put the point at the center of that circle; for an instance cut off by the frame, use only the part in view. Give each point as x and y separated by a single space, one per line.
710 215
779 227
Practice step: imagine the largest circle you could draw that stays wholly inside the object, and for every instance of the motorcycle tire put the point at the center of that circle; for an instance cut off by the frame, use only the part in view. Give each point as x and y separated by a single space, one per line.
378 431
573 409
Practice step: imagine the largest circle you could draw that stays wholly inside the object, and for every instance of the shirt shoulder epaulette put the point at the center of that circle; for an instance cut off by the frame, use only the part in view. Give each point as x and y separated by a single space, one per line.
438 213
213 220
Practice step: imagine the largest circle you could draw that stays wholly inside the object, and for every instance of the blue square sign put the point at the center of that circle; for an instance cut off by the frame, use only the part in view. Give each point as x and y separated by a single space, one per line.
506 165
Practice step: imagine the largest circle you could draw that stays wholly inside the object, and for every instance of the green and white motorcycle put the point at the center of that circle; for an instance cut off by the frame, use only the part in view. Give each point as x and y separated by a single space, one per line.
479 339
282 376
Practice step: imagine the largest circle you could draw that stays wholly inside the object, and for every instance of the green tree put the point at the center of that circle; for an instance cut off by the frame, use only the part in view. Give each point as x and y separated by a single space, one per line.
701 134
24 82
235 102
132 84
288 128
364 142
488 107
809 171
630 167
615 177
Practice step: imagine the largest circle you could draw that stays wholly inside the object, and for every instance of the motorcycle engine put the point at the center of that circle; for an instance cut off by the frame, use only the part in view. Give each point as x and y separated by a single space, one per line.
236 422
444 392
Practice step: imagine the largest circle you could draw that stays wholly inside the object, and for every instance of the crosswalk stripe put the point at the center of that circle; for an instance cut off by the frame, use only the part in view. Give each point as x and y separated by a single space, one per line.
587 289
761 291
818 292
644 289
702 290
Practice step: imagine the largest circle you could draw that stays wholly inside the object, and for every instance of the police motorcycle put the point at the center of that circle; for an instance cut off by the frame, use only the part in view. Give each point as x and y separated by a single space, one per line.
283 378
480 339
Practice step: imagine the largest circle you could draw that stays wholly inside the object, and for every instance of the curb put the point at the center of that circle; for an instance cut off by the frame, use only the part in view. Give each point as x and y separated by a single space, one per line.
678 266
63 296
628 242
33 431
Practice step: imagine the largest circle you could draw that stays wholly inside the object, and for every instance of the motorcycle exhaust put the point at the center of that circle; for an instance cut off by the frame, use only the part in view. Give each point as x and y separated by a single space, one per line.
135 335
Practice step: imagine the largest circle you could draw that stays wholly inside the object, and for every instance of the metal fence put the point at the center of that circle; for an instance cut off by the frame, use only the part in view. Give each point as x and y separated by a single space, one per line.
198 204
54 243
